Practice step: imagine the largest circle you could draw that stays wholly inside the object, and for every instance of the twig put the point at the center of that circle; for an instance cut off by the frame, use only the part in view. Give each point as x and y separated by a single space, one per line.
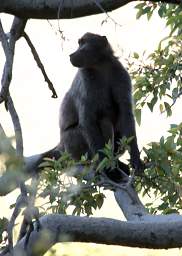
40 65
61 32
106 13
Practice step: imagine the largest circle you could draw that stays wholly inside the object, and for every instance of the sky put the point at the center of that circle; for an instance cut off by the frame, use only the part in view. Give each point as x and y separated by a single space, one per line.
39 112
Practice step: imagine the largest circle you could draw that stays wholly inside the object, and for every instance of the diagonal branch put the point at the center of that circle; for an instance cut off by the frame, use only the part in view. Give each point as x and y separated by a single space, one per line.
40 65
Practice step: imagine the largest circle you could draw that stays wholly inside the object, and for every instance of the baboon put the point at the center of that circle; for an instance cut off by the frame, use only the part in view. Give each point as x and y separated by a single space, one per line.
98 106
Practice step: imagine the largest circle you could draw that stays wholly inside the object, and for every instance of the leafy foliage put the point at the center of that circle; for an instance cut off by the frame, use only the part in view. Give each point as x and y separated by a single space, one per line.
163 178
65 183
64 191
170 12
158 82
158 77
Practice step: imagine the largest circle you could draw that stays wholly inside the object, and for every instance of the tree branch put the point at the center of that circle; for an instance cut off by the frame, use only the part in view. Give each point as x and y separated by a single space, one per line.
48 9
59 228
17 127
9 47
19 153
40 65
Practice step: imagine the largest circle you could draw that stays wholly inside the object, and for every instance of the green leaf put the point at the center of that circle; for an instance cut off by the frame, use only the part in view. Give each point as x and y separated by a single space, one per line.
99 200
168 109
139 14
138 116
161 107
175 93
173 126
140 6
102 164
149 14
162 11
146 10
152 103
136 55
162 140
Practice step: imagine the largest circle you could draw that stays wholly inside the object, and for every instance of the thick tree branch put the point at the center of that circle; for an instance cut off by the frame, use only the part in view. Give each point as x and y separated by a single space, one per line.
52 9
59 228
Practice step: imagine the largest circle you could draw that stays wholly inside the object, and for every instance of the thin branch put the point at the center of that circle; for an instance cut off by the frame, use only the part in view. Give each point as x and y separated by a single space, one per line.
108 17
17 126
40 65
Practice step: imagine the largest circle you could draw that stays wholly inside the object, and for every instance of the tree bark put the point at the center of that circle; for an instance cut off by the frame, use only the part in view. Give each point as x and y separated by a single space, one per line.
68 9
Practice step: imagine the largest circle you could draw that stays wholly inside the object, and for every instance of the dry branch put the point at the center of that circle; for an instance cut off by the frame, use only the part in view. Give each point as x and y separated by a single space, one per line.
40 65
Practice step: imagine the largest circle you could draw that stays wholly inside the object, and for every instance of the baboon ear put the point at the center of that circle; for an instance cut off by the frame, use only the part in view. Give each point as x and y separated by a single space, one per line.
105 40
